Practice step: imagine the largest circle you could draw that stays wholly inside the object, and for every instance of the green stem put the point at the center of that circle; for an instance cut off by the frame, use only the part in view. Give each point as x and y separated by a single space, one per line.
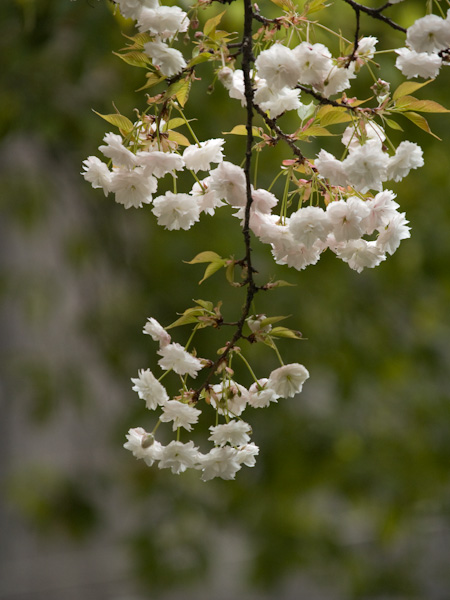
277 352
248 366
194 331
191 131
156 426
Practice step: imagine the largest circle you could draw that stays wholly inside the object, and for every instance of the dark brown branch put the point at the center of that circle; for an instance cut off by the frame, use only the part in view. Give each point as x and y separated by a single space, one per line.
252 288
352 56
376 13
280 134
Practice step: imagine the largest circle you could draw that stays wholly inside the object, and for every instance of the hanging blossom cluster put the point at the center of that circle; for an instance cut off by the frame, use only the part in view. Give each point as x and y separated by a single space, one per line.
330 202
232 447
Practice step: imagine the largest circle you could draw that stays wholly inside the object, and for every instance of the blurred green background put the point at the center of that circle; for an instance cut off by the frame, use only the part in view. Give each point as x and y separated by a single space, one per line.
350 498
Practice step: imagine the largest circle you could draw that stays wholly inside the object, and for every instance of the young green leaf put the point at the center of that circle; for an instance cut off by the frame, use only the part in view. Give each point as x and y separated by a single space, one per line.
420 122
179 138
212 23
271 320
118 121
212 268
411 103
135 59
206 304
409 87
284 332
152 79
206 256
330 115
393 124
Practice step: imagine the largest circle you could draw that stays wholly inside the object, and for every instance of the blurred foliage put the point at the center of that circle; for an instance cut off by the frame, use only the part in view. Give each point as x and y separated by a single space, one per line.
350 472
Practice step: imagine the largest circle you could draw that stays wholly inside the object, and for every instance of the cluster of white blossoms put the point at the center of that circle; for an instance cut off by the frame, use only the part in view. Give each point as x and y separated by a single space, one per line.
163 23
279 70
299 240
342 204
426 40
232 446
134 176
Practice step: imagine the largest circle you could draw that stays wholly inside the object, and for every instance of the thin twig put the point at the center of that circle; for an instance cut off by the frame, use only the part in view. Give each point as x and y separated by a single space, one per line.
376 13
280 134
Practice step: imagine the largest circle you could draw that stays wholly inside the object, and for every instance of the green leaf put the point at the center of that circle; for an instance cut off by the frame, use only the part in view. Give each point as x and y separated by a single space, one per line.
135 59
287 5
179 138
140 38
315 131
409 87
393 124
183 320
152 79
174 123
314 6
284 332
206 304
118 121
411 103
212 268
200 58
330 115
179 90
229 273
279 283
270 320
242 130
206 256
212 23
420 122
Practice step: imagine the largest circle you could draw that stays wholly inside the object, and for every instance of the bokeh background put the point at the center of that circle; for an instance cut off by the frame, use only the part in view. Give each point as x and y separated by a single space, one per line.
350 498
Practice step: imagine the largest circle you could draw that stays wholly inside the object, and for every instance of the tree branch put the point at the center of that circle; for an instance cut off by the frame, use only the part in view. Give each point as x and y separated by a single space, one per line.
252 288
376 13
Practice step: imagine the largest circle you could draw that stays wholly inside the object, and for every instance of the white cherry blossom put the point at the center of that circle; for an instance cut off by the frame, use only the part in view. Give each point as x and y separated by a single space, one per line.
150 389
429 34
220 462
393 233
97 173
143 445
381 209
246 455
176 211
288 380
279 66
159 163
360 254
114 149
407 156
169 60
178 457
418 64
310 224
163 21
181 414
132 188
131 9
175 357
199 158
228 182
157 332
314 61
331 168
260 394
347 218
234 433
